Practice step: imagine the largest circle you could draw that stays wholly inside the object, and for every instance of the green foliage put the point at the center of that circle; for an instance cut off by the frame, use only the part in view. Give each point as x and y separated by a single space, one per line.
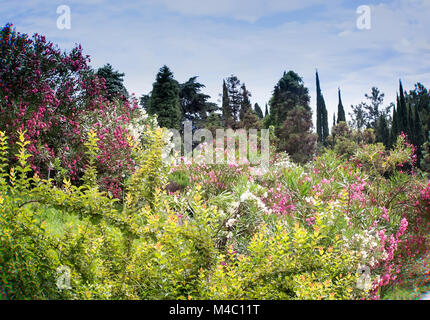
296 136
288 93
90 175
340 110
284 263
113 82
322 115
258 111
290 232
165 101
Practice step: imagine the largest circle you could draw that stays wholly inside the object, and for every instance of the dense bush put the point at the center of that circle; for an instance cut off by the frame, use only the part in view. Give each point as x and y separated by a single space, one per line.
57 99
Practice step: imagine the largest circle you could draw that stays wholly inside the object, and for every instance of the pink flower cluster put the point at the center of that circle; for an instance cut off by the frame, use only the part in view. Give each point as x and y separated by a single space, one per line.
52 96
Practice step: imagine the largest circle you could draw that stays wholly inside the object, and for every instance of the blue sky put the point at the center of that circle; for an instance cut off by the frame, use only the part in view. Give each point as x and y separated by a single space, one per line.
254 39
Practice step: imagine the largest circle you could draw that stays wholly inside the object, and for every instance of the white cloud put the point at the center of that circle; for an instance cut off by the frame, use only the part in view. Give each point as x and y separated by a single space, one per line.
246 10
140 36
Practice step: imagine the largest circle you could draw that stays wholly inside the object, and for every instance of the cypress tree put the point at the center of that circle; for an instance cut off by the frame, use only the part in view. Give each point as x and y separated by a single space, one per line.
325 123
418 134
402 112
165 100
425 161
266 112
411 131
394 126
382 132
258 111
245 105
340 110
322 118
227 116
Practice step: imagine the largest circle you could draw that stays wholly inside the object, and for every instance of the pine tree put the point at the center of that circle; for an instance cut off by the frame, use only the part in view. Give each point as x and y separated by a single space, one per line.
114 82
288 93
340 110
322 117
258 111
194 104
165 100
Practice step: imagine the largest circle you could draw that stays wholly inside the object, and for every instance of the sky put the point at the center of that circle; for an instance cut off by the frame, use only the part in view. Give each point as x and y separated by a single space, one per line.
256 40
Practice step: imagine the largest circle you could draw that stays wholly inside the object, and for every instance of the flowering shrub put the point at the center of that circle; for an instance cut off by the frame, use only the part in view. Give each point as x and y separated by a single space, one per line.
57 99
292 232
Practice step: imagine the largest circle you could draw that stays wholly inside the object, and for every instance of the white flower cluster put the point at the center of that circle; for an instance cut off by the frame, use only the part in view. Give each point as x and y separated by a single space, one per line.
284 161
248 196
137 126
230 223
367 246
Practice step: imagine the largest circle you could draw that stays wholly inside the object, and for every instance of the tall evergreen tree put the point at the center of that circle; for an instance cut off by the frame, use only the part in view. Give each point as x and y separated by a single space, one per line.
358 116
194 104
322 117
114 82
340 110
245 105
235 97
165 100
258 111
227 114
402 112
266 112
382 131
418 134
394 132
425 159
144 100
296 136
373 111
288 93
213 122
420 98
